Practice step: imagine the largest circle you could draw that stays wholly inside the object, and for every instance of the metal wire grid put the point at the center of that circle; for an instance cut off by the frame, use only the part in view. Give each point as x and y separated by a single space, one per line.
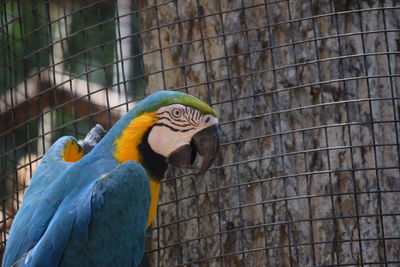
276 195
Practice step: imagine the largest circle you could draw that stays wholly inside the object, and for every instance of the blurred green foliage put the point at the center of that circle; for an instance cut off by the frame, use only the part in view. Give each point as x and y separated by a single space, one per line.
24 40
91 49
62 119
88 37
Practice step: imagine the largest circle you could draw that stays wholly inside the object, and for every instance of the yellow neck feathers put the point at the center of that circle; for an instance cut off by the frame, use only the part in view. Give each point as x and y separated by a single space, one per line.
126 146
154 193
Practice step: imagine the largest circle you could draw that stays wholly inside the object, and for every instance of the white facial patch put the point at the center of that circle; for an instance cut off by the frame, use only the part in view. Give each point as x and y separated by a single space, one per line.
176 126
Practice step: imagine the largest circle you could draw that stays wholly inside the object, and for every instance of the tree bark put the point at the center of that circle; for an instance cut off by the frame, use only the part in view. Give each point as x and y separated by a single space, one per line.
307 96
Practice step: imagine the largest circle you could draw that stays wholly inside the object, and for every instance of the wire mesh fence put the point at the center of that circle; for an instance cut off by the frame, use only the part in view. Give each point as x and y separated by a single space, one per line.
307 94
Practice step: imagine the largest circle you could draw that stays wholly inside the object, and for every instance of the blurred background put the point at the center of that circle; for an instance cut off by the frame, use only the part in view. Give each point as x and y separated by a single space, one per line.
307 93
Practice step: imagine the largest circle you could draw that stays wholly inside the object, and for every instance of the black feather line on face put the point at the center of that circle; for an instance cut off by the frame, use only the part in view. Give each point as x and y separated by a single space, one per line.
166 111
198 116
186 113
169 117
190 115
154 163
172 128
176 124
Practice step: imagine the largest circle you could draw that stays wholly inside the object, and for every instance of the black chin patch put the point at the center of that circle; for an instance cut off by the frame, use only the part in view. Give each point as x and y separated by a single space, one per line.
194 152
154 163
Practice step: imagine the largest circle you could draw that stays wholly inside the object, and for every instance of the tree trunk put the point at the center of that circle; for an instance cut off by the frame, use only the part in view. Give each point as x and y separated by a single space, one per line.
307 96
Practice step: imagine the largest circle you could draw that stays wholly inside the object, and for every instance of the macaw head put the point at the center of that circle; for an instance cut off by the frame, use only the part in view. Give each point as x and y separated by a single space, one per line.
169 128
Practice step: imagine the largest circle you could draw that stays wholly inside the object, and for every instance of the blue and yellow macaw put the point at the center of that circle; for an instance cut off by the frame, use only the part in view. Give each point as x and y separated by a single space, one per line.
92 208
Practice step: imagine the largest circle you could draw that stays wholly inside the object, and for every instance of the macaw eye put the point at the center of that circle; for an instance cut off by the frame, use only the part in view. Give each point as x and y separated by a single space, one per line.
176 112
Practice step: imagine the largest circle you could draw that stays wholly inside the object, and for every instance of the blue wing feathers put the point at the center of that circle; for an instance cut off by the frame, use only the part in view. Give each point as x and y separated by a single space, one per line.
119 209
34 214
83 216
71 217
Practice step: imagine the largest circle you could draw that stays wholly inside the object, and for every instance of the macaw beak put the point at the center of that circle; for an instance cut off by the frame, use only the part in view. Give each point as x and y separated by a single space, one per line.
206 143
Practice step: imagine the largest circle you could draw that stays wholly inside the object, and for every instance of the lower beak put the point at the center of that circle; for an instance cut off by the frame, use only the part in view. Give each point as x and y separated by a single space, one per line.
205 143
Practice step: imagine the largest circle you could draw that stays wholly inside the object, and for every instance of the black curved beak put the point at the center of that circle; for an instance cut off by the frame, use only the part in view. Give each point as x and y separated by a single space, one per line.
206 143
